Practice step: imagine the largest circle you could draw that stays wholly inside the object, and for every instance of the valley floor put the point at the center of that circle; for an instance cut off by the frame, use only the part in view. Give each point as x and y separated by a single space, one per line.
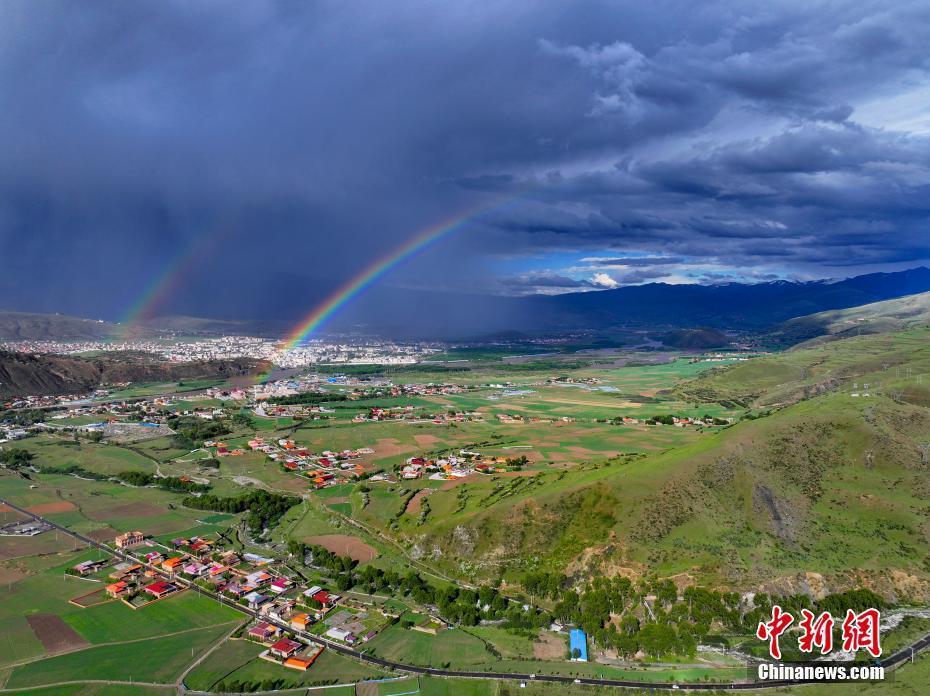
775 474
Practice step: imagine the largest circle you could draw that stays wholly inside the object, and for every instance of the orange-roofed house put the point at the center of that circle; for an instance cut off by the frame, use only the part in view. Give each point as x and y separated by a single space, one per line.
117 589
300 621
299 663
172 564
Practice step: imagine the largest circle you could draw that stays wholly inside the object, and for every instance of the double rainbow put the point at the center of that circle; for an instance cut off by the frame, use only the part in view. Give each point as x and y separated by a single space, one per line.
171 279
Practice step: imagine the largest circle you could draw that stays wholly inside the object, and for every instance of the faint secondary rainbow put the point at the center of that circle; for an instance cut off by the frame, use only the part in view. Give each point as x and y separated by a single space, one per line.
166 283
377 270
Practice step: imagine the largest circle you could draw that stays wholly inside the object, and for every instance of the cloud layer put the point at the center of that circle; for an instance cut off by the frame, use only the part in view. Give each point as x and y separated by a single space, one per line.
681 142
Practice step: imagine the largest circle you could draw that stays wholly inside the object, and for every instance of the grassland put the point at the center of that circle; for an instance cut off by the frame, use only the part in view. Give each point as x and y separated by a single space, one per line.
807 489
96 690
158 660
815 487
238 661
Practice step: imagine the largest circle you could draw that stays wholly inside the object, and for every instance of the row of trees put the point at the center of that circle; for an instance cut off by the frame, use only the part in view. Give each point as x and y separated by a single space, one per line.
25 417
458 605
191 432
265 509
168 483
320 557
309 398
16 458
613 613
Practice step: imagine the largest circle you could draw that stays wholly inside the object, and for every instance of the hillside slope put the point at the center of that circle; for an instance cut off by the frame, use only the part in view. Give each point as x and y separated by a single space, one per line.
877 317
26 374
27 326
831 491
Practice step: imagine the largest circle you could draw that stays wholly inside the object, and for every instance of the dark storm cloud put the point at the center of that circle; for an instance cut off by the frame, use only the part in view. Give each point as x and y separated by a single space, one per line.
536 281
307 139
638 261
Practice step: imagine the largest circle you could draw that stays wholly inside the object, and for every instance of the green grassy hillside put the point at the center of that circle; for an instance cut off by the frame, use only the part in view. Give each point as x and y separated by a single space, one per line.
877 317
829 487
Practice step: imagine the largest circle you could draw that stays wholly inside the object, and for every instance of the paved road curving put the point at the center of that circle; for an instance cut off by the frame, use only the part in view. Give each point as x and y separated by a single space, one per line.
889 662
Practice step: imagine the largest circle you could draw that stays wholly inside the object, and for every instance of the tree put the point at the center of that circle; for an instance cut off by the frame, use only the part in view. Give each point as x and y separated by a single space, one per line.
16 458
242 420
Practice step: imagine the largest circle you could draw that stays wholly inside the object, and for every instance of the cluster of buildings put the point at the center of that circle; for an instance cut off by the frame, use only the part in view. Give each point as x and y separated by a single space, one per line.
517 419
323 468
362 387
27 528
452 466
412 414
121 421
727 357
285 606
354 352
12 432
678 422
312 411
30 402
428 389
133 583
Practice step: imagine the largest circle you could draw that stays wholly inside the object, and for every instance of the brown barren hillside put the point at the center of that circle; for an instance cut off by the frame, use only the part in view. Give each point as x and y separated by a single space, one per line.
25 374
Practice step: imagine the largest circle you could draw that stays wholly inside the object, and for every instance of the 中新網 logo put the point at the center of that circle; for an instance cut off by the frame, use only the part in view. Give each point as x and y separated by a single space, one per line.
860 631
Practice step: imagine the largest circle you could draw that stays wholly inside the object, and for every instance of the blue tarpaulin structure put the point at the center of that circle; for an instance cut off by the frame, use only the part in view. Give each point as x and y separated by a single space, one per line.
578 641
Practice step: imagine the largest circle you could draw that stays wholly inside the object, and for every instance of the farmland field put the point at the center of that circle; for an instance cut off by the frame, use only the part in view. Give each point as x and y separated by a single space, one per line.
237 660
154 659
589 495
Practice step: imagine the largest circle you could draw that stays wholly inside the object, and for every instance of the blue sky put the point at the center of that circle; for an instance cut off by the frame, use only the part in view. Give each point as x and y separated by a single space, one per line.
662 142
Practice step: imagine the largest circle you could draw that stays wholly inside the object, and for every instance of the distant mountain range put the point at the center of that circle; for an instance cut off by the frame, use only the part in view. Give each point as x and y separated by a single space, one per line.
29 326
727 306
655 306
419 314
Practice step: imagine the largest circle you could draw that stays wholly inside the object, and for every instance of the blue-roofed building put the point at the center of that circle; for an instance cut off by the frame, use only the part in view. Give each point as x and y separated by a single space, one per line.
578 644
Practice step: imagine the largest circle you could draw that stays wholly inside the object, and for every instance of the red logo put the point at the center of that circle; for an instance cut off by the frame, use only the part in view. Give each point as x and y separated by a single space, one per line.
860 631
771 630
816 632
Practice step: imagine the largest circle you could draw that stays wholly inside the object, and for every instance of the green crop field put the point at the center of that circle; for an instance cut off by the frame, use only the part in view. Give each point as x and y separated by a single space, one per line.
813 482
94 690
158 660
58 451
454 649
238 661
115 621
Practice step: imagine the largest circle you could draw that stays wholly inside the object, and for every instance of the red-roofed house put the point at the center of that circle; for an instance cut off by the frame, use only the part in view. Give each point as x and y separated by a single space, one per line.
324 598
263 631
279 585
285 648
160 589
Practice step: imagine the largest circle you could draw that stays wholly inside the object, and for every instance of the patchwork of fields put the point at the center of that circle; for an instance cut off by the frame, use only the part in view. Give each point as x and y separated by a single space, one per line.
787 493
